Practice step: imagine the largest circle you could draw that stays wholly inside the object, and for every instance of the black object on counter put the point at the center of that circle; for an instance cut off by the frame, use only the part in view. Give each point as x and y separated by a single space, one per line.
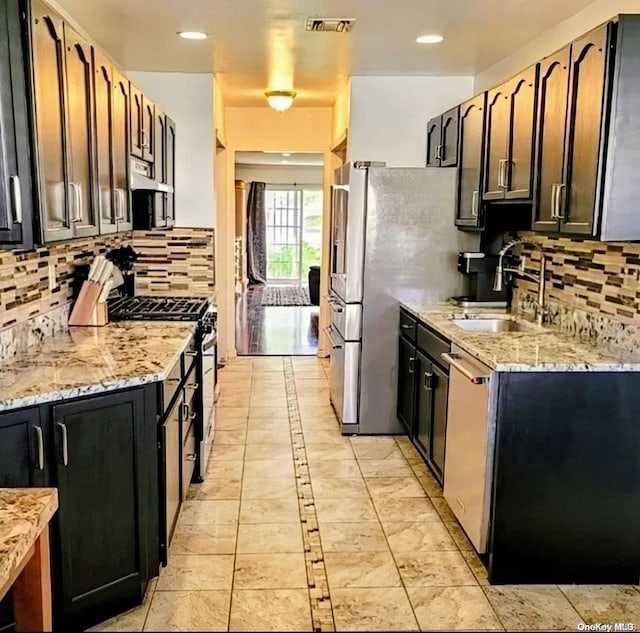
123 257
314 285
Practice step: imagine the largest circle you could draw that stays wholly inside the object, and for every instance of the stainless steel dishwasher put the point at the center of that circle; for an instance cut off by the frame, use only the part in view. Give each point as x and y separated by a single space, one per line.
470 445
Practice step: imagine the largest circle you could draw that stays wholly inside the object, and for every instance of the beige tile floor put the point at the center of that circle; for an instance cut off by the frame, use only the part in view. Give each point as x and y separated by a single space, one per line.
394 557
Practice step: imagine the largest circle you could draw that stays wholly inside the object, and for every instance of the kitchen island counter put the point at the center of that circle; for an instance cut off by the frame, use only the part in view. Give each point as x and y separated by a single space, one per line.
535 349
84 361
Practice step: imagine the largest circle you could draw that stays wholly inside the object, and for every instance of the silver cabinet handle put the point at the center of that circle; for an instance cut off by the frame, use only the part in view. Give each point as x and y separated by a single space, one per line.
143 135
474 204
439 152
453 360
553 201
412 365
194 415
191 353
428 381
559 188
38 431
194 386
502 173
123 198
172 381
405 326
16 194
190 457
185 411
75 187
65 443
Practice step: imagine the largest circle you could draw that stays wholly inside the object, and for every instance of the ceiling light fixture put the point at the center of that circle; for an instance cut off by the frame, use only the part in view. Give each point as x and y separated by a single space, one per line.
429 39
286 153
193 35
280 100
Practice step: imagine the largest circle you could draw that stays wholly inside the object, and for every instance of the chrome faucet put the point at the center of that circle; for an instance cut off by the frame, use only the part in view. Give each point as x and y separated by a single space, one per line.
541 308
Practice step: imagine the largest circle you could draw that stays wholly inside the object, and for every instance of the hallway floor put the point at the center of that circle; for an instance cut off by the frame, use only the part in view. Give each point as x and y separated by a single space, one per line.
298 528
271 330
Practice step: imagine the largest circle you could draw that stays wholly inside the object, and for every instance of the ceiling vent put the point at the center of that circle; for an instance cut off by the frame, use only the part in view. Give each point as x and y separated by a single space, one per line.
335 25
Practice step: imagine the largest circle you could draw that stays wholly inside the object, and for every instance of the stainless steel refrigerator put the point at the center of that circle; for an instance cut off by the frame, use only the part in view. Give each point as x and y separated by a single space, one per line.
393 239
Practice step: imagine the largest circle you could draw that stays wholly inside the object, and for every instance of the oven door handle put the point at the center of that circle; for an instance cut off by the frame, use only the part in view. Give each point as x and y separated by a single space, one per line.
328 330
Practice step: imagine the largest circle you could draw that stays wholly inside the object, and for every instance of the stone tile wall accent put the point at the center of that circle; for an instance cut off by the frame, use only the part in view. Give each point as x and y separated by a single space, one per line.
24 275
321 610
178 261
599 278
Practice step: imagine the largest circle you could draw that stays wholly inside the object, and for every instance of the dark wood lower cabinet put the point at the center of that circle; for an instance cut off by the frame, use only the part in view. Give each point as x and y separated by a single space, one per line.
101 454
406 384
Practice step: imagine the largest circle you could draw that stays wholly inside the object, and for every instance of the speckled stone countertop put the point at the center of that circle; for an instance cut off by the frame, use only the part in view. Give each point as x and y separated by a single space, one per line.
84 361
534 349
24 513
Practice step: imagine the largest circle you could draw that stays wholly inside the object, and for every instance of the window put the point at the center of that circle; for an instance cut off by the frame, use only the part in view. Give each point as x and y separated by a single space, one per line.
294 232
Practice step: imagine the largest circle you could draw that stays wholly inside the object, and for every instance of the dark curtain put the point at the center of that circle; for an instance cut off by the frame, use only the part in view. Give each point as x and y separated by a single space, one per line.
256 234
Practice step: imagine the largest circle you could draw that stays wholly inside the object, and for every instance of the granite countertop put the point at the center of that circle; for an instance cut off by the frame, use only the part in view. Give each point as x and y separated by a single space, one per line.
24 514
534 349
84 361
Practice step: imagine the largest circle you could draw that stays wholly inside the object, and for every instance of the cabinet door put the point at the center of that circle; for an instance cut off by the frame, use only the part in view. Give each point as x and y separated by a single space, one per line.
470 161
424 405
107 199
449 140
522 102
406 385
160 164
434 132
120 141
136 117
22 449
171 170
99 445
16 210
578 202
148 130
497 142
47 43
439 432
81 137
553 86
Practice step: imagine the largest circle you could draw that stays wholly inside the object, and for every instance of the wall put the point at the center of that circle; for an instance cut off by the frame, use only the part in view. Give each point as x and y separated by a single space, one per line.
264 129
553 39
24 275
600 278
341 115
281 174
188 99
179 262
388 115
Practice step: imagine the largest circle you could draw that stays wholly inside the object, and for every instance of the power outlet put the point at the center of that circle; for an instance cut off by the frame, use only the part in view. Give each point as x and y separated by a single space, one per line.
53 282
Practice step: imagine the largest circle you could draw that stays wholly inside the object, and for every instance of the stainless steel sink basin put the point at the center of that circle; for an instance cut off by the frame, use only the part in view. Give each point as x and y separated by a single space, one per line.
492 325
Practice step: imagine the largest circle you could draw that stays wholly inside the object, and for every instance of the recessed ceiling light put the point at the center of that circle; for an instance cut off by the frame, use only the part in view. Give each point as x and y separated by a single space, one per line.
193 35
286 153
429 39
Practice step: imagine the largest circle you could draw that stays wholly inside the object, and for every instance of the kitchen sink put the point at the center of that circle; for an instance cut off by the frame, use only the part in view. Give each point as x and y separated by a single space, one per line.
493 325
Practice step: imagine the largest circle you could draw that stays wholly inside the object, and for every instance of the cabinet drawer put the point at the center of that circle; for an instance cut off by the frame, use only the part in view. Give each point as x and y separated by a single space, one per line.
171 384
431 344
407 326
188 460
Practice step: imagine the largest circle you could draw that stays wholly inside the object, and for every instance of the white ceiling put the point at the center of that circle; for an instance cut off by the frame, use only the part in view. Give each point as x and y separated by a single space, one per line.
257 45
279 158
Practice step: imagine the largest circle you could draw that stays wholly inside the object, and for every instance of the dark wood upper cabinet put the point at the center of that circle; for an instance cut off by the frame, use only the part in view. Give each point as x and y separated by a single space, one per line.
120 144
148 130
160 142
553 88
442 140
588 77
509 138
522 119
136 121
449 138
48 60
81 135
170 169
470 162
104 88
16 208
434 132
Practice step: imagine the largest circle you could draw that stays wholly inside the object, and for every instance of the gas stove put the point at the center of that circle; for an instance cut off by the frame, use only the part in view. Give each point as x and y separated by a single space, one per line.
141 308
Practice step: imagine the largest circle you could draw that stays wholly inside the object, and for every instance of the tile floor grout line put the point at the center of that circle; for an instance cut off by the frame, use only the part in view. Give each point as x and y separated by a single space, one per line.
235 548
319 597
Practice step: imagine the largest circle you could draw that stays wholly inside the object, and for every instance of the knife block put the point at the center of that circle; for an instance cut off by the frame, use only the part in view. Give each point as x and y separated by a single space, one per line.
87 311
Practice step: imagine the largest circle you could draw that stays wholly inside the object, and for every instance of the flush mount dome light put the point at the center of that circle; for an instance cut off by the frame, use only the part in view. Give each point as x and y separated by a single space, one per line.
280 100
429 39
193 35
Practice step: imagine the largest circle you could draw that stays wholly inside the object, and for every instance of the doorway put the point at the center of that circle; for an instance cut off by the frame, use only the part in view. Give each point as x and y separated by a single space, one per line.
279 213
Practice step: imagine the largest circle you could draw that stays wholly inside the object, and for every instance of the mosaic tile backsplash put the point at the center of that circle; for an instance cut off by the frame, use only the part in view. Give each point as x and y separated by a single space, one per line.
179 261
24 275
